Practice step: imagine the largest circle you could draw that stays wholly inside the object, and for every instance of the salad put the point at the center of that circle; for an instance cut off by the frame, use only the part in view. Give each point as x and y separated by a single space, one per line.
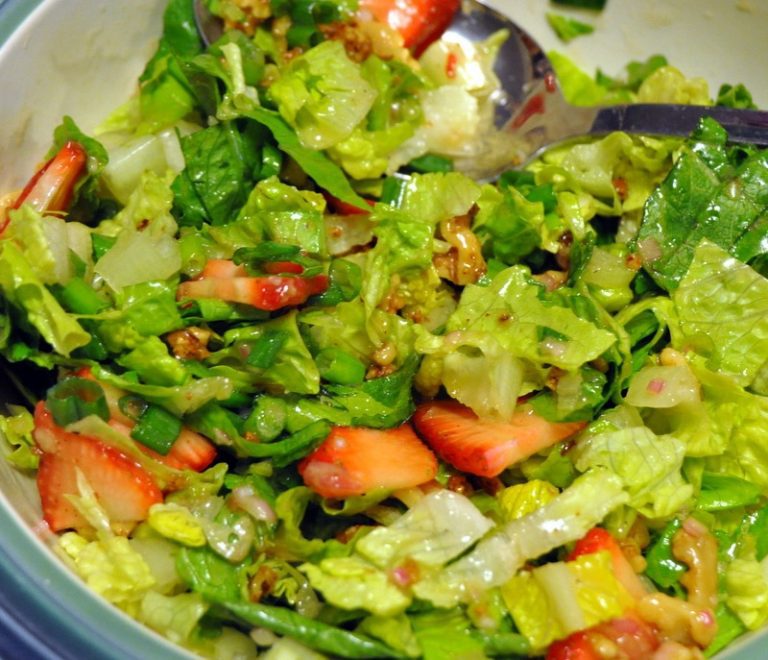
300 387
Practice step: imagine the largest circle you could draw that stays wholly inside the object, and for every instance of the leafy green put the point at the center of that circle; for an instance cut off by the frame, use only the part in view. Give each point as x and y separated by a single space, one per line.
566 28
323 95
721 304
23 289
702 198
218 176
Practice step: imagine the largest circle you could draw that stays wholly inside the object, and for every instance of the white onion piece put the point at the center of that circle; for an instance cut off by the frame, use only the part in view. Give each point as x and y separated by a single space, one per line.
79 241
234 541
245 498
55 231
139 257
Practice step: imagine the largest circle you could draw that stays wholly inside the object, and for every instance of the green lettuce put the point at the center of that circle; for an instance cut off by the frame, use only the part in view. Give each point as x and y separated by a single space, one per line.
323 95
697 201
111 568
354 583
499 555
18 445
23 289
528 322
722 306
585 590
648 465
293 369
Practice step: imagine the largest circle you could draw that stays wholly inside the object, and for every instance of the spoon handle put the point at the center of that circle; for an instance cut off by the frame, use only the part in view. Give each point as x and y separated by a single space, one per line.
743 126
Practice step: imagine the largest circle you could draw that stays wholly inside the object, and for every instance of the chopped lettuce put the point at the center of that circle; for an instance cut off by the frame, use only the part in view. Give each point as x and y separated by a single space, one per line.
721 304
22 288
648 465
323 95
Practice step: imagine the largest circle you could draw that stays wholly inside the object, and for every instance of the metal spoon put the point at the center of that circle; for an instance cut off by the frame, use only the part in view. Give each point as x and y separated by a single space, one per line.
531 113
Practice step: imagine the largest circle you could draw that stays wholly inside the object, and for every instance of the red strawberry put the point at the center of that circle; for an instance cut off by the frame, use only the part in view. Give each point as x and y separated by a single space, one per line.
270 292
122 487
190 451
485 448
598 539
628 637
356 460
574 647
420 22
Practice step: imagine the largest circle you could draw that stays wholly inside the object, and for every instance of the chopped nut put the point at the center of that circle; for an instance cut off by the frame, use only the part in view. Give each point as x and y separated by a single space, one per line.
190 343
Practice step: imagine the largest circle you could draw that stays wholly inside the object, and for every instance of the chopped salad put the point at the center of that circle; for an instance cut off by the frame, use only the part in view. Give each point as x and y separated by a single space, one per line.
300 387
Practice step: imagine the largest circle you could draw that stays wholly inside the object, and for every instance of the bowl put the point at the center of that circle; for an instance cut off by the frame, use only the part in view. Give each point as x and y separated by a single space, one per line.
82 57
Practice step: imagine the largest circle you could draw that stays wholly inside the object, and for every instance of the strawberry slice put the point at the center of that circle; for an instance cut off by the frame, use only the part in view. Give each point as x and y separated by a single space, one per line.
223 268
419 22
597 540
628 637
356 460
485 448
269 293
190 451
53 185
576 646
123 488
51 188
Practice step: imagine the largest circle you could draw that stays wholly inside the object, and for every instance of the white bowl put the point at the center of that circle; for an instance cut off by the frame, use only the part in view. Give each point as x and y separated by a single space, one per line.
82 58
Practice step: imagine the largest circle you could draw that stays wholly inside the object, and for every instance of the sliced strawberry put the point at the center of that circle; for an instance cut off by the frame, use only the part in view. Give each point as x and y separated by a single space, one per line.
270 293
123 488
574 647
223 268
485 448
190 451
597 540
420 22
627 637
51 188
356 460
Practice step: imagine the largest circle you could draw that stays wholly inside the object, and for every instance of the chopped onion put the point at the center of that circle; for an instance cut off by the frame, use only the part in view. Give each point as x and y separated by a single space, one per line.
137 257
245 498
233 542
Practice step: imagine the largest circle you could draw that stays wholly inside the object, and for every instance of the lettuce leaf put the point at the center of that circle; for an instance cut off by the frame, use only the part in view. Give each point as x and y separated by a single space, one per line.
648 465
323 95
722 305
520 314
438 528
354 583
498 556
556 599
22 288
110 567
697 201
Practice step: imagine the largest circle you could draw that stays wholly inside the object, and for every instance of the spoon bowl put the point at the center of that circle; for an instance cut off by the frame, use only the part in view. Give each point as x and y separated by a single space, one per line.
530 112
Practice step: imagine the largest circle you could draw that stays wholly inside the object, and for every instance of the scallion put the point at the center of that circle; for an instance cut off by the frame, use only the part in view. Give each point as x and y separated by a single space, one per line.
339 367
157 429
76 398
265 350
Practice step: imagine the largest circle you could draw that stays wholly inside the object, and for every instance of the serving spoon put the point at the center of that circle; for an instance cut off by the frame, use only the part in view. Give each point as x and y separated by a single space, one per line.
530 111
